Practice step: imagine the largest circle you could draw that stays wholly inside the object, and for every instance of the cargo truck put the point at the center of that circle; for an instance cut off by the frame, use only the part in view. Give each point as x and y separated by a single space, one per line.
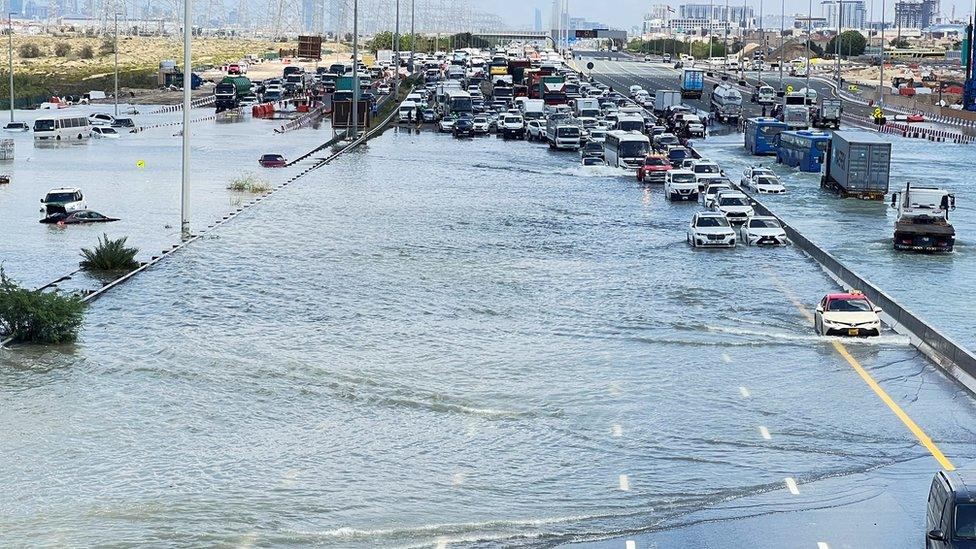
692 83
666 98
587 107
923 219
230 90
552 90
858 165
563 132
827 115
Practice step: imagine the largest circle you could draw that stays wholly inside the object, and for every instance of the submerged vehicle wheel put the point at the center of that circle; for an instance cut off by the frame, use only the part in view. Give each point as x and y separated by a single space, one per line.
58 138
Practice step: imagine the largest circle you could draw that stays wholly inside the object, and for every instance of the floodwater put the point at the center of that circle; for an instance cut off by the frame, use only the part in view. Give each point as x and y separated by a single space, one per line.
940 288
446 343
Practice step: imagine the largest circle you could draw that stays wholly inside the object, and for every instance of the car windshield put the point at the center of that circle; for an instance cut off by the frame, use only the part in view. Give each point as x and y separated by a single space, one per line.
713 190
732 201
965 525
655 161
60 197
43 125
849 304
766 181
712 221
707 168
591 146
764 224
567 132
683 177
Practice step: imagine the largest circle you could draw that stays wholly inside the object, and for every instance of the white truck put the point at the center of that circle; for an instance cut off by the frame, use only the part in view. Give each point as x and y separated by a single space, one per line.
586 107
726 103
923 219
666 98
533 109
563 132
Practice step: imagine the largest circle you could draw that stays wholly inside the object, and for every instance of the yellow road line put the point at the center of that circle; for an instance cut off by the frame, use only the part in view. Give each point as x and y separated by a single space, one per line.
892 405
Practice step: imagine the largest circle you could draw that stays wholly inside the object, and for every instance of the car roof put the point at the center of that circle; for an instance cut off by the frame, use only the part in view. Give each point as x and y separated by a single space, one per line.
831 297
710 214
963 484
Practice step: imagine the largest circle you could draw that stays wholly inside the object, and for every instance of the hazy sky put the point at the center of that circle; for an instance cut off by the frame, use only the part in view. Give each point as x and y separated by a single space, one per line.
628 13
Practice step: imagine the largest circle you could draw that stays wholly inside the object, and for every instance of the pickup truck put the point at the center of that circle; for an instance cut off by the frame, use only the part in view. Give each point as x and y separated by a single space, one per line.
512 126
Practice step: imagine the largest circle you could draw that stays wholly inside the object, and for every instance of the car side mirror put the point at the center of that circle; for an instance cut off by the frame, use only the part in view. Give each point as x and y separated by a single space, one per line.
819 308
877 309
936 535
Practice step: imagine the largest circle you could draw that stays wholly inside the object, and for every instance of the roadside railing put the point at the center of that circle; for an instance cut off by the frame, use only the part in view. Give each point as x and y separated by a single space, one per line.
196 103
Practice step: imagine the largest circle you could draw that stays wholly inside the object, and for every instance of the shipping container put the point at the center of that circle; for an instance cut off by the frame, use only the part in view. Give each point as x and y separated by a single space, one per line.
858 165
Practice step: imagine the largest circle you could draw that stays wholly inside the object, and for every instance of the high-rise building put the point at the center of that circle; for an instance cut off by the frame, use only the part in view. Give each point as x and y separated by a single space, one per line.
716 12
537 22
915 15
852 13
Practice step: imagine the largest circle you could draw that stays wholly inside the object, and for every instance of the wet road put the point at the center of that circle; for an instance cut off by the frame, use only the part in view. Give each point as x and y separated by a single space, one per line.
442 343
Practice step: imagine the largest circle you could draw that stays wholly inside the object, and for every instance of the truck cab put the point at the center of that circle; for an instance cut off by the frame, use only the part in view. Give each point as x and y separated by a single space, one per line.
923 223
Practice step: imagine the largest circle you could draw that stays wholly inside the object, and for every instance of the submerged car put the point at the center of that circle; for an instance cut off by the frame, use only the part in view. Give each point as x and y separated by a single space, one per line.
77 217
104 132
272 161
429 116
481 125
734 205
463 126
763 231
710 230
124 123
16 127
850 314
766 184
593 161
680 185
446 125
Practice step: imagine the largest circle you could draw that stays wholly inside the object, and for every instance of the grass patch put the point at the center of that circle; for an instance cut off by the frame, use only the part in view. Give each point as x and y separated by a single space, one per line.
35 316
109 255
249 183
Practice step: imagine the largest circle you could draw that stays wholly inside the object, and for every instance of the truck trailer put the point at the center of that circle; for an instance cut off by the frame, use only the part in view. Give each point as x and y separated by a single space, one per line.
858 165
692 83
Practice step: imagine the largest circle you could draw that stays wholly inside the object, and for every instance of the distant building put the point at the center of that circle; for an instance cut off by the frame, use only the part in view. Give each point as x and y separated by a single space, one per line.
915 15
17 6
732 14
687 25
852 13
537 23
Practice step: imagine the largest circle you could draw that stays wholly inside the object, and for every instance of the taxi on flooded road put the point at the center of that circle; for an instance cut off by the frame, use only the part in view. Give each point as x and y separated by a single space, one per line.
848 314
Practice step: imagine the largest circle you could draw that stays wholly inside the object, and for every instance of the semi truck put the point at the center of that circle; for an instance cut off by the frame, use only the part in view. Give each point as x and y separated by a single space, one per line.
923 219
692 83
827 115
795 111
230 90
858 165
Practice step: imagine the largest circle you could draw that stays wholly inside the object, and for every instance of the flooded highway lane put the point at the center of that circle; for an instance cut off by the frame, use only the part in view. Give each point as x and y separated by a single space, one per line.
146 199
436 342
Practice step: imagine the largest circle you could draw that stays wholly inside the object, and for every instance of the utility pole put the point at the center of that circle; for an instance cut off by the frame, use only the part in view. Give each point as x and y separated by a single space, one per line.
116 48
742 61
396 53
187 82
881 84
728 28
10 48
355 69
840 13
762 42
782 40
711 18
809 37
413 34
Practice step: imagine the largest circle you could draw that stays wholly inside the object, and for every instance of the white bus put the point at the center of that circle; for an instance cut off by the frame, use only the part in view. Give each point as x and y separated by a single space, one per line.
62 127
626 149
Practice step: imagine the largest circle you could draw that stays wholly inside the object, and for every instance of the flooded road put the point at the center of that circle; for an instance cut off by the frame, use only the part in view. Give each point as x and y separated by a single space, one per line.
448 343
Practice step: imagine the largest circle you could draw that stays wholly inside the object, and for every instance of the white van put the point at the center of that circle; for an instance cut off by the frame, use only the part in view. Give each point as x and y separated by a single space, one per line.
62 127
408 110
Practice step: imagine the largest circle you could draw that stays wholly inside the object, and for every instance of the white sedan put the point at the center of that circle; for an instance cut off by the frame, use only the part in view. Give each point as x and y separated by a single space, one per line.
104 132
850 314
446 125
762 231
710 230
765 184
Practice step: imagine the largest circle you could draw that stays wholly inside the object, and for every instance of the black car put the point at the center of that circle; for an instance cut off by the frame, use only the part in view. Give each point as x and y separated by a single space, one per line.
464 127
124 123
950 518
77 217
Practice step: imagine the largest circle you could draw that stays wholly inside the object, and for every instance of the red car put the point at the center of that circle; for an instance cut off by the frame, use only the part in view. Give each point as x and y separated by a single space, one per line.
234 69
272 161
653 170
916 118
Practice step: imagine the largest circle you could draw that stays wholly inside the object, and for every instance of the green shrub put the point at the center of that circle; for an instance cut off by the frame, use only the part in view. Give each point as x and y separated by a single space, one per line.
107 47
29 50
38 317
249 183
86 52
109 255
62 49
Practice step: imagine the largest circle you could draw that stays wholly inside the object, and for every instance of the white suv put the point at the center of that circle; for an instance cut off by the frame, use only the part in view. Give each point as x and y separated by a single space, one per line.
710 230
735 205
680 185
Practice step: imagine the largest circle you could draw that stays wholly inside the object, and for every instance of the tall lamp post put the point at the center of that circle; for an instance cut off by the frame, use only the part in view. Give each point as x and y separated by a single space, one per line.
10 47
187 83
782 40
413 34
355 69
881 84
396 52
116 48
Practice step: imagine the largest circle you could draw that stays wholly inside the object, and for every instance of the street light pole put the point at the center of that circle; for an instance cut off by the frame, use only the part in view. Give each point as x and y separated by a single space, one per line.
762 41
116 48
355 69
782 40
413 34
187 82
10 47
711 17
728 28
809 37
881 84
396 52
837 50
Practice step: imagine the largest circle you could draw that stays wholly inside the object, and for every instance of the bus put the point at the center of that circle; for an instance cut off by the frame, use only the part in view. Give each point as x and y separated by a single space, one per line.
805 149
628 122
626 149
62 127
457 102
760 134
